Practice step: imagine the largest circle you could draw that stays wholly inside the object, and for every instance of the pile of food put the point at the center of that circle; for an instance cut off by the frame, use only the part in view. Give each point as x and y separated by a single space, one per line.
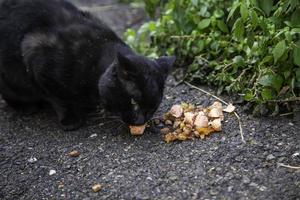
187 121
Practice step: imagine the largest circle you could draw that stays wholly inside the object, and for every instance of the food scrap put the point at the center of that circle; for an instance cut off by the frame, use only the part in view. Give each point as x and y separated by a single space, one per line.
229 109
96 188
186 121
74 153
137 130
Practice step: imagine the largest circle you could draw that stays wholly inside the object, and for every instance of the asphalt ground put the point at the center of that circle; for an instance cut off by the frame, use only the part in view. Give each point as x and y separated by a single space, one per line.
34 160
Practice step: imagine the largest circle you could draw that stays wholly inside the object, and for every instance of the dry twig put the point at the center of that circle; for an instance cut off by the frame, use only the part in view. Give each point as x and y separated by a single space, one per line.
218 98
288 166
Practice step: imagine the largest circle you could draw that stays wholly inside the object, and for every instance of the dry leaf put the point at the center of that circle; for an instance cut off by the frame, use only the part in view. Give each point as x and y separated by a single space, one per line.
176 111
229 109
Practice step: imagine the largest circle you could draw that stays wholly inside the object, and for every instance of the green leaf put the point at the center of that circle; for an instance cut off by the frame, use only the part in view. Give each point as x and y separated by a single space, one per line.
267 94
195 2
222 26
239 61
254 18
295 19
298 75
295 30
266 6
218 13
244 12
271 80
296 54
204 24
232 10
238 29
250 39
200 45
279 50
266 59
248 95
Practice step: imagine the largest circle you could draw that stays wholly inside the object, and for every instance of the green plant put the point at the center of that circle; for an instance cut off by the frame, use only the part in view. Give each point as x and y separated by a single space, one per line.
246 47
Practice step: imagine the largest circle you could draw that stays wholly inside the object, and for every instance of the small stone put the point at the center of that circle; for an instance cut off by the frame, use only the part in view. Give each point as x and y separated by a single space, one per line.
291 124
246 180
149 178
295 154
32 160
52 172
93 135
270 157
96 187
229 189
239 158
173 178
262 188
74 153
253 184
168 97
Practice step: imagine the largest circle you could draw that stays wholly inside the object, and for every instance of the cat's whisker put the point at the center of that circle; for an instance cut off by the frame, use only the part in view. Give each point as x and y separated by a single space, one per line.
120 126
114 126
109 122
102 117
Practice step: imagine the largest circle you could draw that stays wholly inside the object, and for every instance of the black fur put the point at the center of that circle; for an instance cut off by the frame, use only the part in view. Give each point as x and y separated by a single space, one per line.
52 52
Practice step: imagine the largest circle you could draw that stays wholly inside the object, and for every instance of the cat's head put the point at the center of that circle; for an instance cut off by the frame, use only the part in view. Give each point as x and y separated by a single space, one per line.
132 87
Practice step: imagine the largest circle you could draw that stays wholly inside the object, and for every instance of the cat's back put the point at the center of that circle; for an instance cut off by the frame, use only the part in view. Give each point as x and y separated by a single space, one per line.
20 17
24 16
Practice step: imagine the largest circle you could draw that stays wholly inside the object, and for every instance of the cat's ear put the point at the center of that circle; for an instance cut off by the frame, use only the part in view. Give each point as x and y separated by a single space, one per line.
126 68
166 63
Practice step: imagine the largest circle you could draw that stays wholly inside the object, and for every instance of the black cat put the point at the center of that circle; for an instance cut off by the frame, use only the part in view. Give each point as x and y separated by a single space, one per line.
52 52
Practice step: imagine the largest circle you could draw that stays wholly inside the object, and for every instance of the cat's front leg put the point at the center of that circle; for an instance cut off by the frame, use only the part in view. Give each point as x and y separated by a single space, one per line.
69 117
